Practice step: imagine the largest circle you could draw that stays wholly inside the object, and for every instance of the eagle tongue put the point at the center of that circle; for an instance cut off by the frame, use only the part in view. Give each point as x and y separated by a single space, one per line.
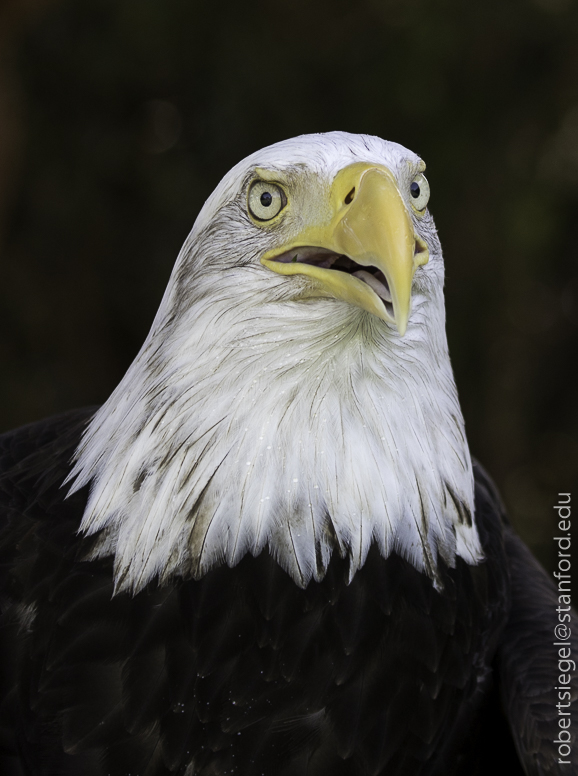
379 288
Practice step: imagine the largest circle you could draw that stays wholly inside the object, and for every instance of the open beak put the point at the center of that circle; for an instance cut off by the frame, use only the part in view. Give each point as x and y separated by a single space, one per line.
366 253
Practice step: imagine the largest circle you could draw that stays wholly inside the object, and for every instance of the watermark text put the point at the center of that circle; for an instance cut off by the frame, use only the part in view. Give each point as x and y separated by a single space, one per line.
562 632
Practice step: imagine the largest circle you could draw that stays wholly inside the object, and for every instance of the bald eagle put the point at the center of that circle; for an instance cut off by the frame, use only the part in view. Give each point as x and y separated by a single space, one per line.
270 551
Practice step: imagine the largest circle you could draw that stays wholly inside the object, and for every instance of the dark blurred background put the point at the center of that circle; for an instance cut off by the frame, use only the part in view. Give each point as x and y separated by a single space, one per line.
119 117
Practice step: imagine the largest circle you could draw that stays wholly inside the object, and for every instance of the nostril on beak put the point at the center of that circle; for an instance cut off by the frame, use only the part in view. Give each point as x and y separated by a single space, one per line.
349 198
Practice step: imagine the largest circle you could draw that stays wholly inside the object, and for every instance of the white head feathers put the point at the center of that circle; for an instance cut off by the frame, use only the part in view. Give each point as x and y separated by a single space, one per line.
253 418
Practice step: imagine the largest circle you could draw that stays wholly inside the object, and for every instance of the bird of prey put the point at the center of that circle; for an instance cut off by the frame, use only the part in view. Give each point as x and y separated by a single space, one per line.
270 551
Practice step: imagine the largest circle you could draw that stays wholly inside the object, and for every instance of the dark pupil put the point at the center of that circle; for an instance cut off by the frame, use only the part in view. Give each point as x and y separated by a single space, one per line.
266 199
414 188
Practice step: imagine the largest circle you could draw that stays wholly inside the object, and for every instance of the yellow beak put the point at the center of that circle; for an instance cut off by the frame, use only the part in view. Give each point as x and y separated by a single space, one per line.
370 225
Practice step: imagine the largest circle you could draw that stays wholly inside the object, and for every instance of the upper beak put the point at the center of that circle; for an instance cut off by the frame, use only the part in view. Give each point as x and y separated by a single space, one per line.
370 225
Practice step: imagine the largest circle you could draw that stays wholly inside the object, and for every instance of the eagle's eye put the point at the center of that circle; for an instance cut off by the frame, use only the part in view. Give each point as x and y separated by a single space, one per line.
266 200
419 191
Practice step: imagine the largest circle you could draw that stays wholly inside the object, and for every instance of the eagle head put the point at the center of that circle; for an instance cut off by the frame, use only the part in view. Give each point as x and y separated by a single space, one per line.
295 391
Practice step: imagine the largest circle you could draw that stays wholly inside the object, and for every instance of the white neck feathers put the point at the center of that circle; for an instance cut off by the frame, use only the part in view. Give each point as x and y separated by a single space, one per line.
227 436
